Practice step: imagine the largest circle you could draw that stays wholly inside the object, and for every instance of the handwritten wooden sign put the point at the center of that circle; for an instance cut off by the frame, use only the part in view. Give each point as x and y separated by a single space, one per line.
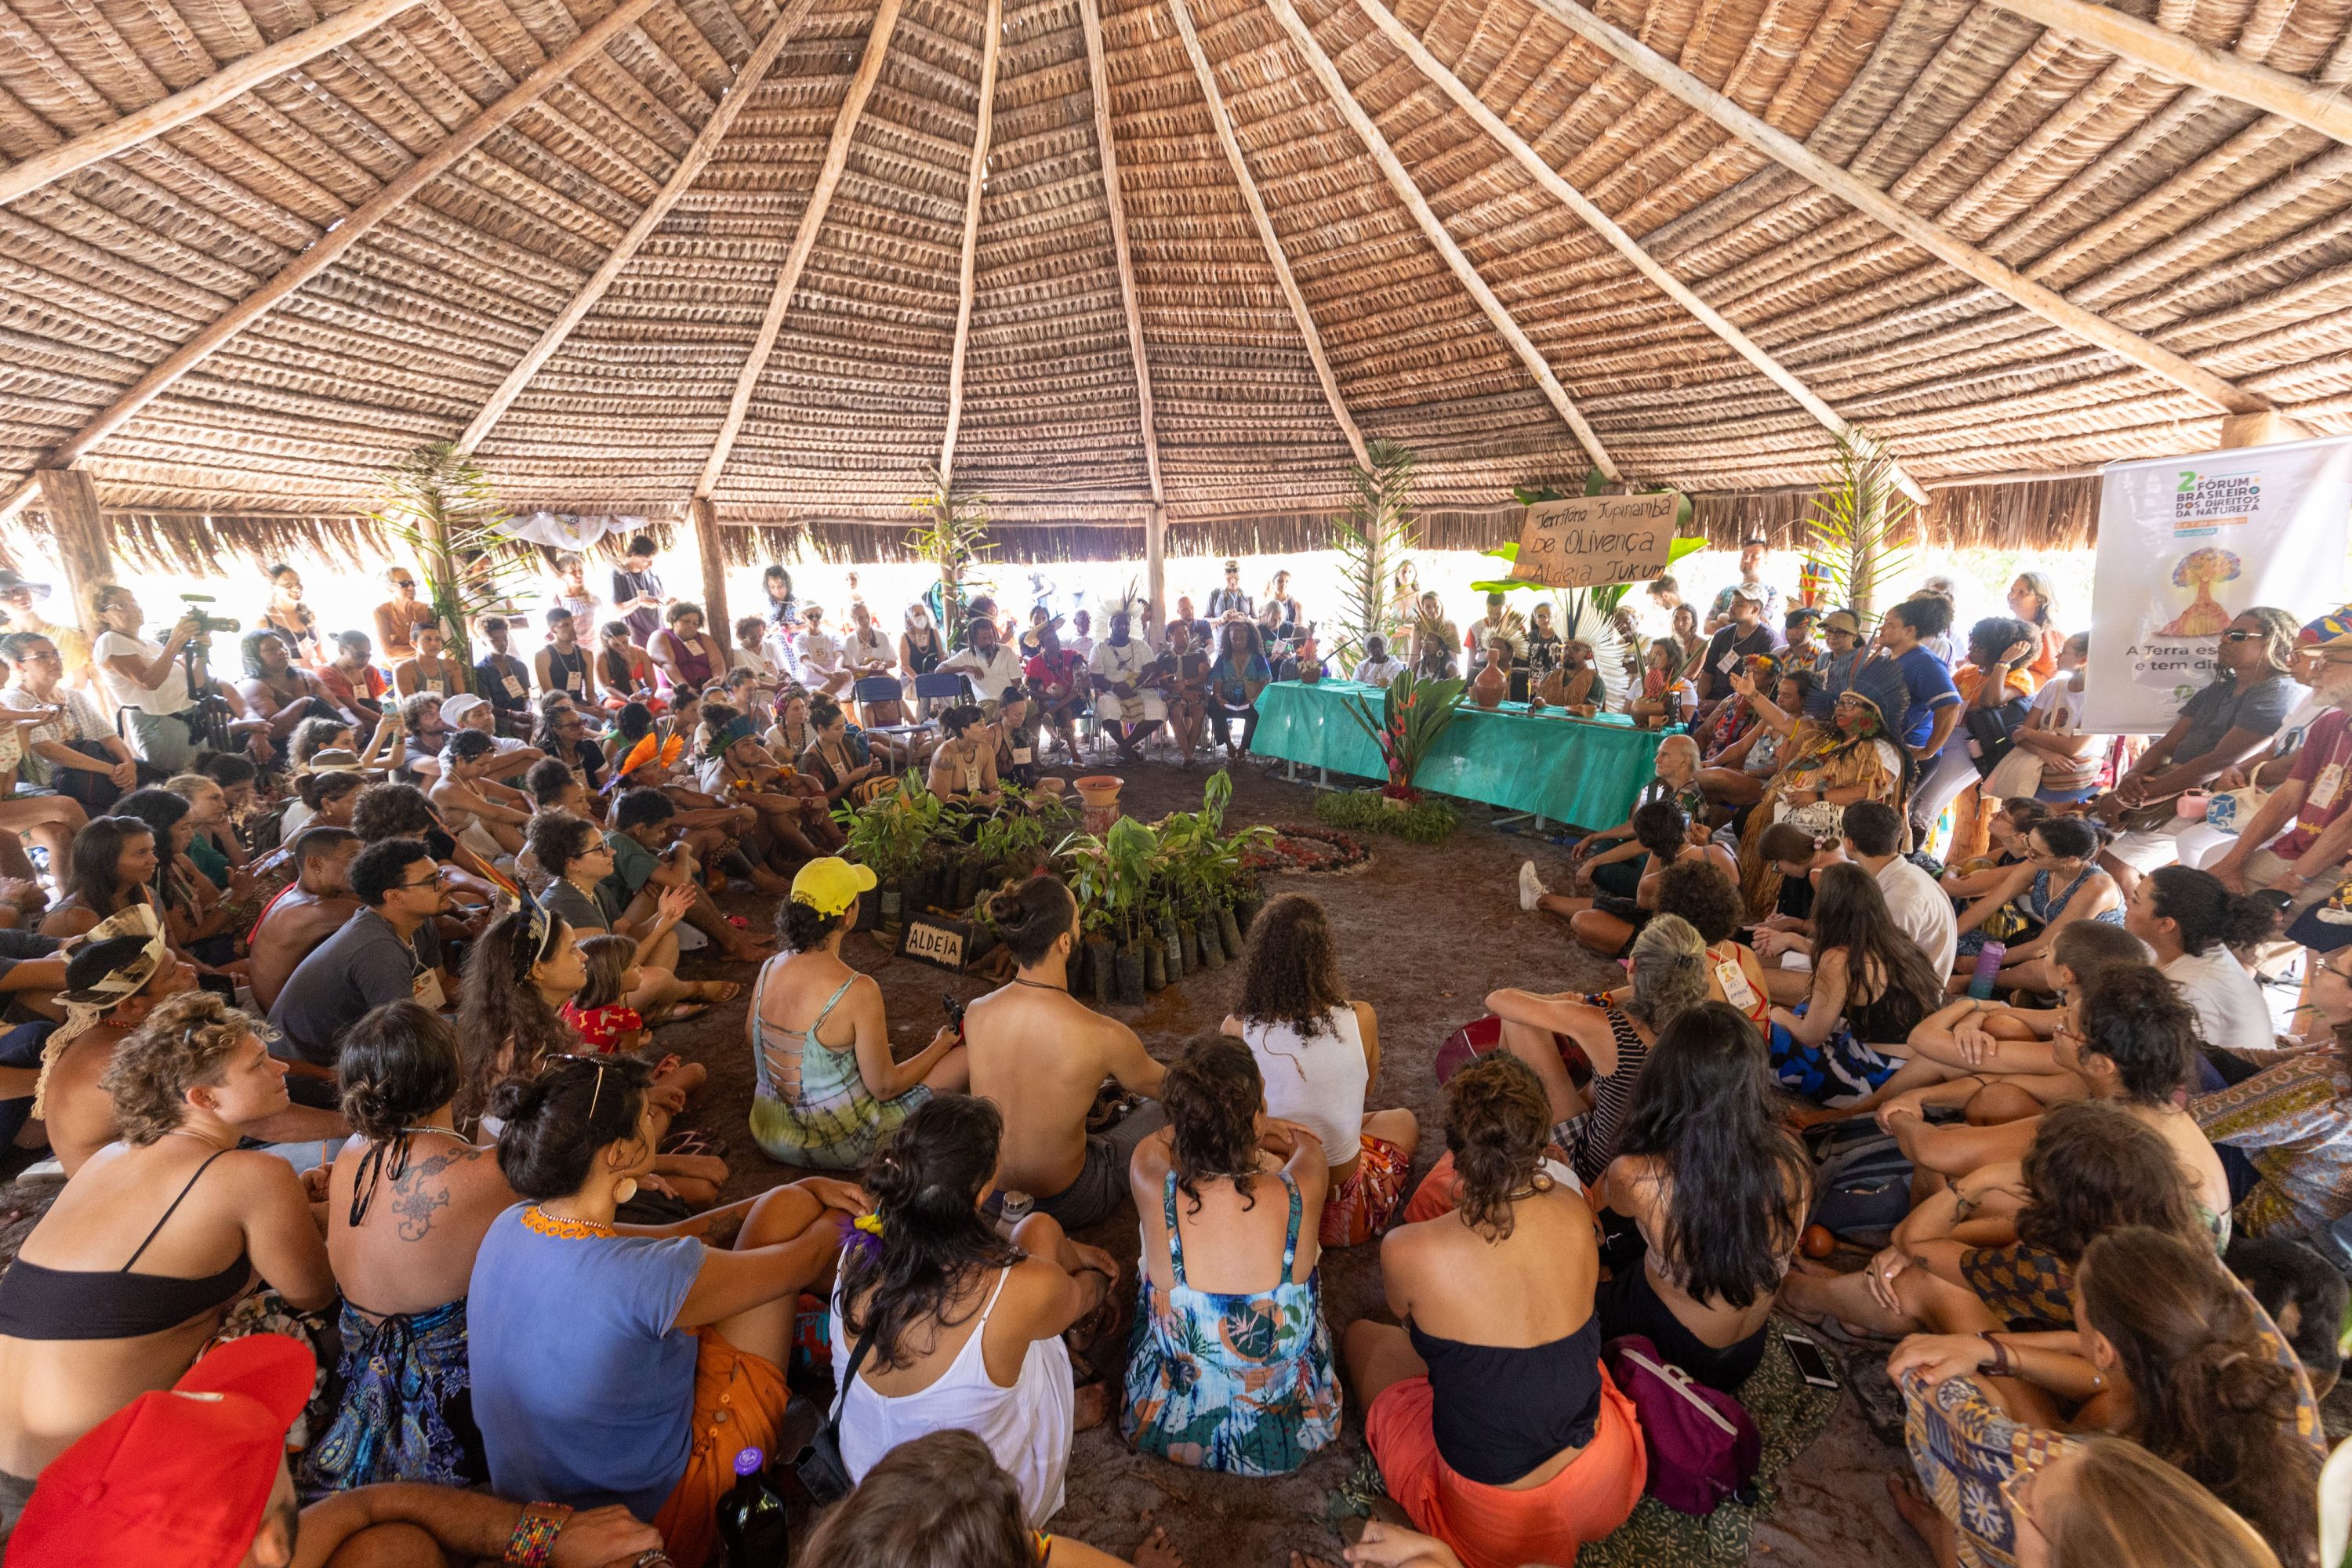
1591 542
937 941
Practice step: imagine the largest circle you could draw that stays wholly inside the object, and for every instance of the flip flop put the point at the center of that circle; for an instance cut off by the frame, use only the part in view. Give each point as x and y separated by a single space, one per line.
684 1013
725 991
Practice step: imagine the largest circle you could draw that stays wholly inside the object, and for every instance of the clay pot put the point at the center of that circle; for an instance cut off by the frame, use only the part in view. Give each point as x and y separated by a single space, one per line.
1100 791
1491 685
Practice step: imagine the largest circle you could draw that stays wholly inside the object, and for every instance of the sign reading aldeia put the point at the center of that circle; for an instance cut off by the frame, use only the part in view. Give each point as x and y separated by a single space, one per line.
1591 542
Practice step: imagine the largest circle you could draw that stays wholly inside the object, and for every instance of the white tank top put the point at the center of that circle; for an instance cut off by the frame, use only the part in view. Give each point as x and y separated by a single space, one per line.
1318 1082
1027 1426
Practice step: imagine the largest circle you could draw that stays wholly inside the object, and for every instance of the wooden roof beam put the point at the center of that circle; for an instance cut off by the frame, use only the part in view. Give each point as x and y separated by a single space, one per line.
1504 326
330 246
690 169
1874 203
1098 84
2161 49
1601 224
967 274
193 102
1273 252
788 276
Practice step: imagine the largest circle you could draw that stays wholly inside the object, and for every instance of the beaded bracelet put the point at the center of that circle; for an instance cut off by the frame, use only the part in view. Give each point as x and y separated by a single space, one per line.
533 1541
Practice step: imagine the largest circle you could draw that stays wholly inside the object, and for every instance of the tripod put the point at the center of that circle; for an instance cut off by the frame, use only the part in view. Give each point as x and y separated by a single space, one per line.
207 720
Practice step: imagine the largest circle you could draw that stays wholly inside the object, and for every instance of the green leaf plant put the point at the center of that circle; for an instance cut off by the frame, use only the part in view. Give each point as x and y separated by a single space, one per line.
1373 534
438 500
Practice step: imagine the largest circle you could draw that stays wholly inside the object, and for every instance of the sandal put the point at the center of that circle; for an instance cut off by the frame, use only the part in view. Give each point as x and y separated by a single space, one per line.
716 990
683 1013
696 1142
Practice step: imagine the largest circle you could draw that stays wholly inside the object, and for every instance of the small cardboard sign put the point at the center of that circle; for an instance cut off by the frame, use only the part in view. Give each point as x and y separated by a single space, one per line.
1591 542
936 941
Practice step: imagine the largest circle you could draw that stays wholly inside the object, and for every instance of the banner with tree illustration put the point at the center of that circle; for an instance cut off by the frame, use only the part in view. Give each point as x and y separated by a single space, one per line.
2186 543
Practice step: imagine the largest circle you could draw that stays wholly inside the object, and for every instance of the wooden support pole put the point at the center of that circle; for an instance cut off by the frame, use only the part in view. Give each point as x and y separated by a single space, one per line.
330 246
77 530
1274 256
788 276
1874 204
189 103
714 571
1155 571
1098 83
967 275
1601 223
2320 106
1505 325
2264 430
681 179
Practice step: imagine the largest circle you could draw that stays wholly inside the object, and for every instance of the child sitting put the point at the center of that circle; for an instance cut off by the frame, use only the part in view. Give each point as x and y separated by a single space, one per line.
606 1022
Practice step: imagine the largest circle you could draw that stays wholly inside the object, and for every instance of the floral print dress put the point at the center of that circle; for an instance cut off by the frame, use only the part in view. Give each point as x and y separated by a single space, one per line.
1242 1383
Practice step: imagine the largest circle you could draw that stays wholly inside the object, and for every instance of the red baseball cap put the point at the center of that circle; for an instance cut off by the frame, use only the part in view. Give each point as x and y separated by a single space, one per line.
176 1479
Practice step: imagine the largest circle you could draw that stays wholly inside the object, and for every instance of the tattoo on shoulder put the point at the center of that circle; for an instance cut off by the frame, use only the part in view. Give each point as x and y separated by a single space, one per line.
421 1192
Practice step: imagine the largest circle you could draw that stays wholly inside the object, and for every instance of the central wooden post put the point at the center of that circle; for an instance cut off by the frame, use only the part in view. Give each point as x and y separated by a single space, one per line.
79 530
1155 571
714 571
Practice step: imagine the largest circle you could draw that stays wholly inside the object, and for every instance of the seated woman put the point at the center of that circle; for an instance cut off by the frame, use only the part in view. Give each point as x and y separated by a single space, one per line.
1613 862
963 769
1610 1036
2292 1123
684 655
1735 776
1604 923
1231 1362
672 1353
624 671
2195 926
352 681
321 799
601 1013
1491 1418
1871 986
940 1322
2132 1041
945 1488
138 1261
828 1088
2058 881
582 894
1667 694
1706 895
1575 683
1240 673
114 859
195 917
1718 1191
2172 1353
829 760
486 816
1998 1248
1319 1053
1822 771
2005 833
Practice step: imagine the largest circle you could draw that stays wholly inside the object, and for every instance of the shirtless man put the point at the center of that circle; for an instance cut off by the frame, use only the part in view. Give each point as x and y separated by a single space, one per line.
306 913
1042 1055
430 669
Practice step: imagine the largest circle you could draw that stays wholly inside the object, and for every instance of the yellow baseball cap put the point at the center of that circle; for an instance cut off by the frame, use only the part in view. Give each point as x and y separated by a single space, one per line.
830 884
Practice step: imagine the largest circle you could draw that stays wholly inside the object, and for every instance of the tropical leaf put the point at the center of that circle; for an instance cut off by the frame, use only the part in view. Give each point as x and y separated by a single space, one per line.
438 501
1861 526
1372 534
953 536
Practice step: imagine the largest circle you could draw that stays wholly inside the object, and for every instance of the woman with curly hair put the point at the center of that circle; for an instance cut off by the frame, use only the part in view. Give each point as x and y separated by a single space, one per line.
942 1322
1319 1053
1825 768
1488 1411
1717 1190
519 974
2172 1353
137 1262
1232 1364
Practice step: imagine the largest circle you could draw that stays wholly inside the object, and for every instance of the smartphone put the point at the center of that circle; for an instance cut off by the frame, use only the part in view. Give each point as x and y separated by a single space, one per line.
953 1007
1811 1364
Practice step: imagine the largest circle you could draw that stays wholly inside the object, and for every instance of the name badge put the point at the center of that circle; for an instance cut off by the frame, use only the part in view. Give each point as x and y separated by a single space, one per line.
514 687
575 680
427 989
1728 663
2326 787
1021 755
1734 981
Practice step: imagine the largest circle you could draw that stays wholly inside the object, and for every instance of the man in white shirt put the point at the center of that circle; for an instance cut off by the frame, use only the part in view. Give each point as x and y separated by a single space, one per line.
1122 700
1874 835
1081 640
818 655
1378 666
987 664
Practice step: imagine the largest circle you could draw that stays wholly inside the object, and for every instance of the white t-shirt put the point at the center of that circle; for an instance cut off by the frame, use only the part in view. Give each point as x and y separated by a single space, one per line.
820 656
2231 1013
1923 910
1318 1082
1116 663
172 697
1378 671
989 673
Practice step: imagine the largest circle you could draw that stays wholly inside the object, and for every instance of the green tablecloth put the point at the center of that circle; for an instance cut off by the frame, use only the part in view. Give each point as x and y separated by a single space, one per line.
1585 772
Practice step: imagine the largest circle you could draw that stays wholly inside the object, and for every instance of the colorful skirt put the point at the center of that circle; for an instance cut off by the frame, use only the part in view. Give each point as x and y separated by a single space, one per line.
405 1412
1839 1069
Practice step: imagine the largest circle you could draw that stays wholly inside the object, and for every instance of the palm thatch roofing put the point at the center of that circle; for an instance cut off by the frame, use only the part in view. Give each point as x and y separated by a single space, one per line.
1101 257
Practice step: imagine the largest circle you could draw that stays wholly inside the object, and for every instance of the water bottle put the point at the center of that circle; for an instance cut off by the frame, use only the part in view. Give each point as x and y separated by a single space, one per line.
1988 969
751 1516
1016 1208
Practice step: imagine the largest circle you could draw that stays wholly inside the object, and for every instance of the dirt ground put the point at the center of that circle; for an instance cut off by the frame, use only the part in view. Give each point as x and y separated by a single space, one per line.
1424 932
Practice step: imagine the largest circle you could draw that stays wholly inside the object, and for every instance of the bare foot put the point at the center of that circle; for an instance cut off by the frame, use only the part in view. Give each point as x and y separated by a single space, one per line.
1924 1517
1154 1550
716 990
1093 1406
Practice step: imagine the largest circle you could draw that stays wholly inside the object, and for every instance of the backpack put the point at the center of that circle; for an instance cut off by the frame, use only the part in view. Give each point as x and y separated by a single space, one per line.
1864 1186
1703 1445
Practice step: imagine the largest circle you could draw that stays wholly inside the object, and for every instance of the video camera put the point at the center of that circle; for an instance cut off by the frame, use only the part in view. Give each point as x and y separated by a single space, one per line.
206 625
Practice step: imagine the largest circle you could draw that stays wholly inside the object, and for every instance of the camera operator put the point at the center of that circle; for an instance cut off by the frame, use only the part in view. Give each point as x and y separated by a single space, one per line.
158 693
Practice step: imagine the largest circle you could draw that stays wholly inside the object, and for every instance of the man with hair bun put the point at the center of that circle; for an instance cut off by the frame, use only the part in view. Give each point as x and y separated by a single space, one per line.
1042 1055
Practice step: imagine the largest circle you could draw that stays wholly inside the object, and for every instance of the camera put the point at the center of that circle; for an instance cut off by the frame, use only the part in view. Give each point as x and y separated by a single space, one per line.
206 625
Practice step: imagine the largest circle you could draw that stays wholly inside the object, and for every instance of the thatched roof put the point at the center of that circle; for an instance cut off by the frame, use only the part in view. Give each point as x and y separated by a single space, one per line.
631 253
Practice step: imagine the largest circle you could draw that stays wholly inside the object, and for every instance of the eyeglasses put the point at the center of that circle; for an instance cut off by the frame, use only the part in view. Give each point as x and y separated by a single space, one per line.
2235 635
440 875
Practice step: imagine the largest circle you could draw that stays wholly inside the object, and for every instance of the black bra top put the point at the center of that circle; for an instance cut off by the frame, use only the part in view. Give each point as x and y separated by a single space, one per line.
1500 1412
38 1303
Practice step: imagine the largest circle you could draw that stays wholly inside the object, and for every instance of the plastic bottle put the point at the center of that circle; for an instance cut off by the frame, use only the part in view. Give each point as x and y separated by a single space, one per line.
1988 969
752 1518
1014 1209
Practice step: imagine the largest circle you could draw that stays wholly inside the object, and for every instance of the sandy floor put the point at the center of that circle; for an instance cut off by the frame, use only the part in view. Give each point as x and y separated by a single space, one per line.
1426 932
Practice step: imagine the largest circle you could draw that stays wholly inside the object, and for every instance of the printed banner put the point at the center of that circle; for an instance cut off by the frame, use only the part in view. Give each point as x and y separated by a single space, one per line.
1591 541
2187 543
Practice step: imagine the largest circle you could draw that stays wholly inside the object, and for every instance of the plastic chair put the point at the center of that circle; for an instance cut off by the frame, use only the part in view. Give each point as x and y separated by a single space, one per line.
938 687
887 689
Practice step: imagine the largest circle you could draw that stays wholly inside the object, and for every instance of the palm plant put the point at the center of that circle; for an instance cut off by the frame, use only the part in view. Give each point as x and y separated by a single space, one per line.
1414 713
1861 525
1372 535
951 536
438 501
